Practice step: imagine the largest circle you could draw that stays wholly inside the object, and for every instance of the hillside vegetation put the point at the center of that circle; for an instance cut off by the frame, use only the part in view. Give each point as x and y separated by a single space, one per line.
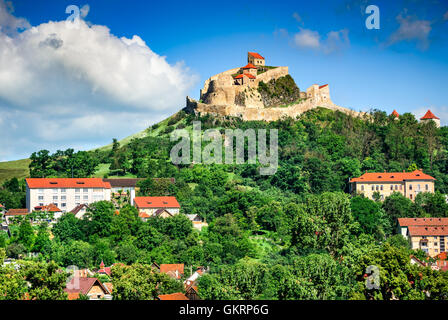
293 235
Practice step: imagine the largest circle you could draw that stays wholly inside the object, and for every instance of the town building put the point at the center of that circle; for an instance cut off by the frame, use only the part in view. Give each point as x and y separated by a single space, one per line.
173 296
197 221
427 234
410 184
163 207
52 209
91 287
79 211
395 114
174 270
123 187
429 116
65 193
11 214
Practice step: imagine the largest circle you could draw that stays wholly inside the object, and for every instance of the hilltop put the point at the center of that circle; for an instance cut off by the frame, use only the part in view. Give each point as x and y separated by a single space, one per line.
260 92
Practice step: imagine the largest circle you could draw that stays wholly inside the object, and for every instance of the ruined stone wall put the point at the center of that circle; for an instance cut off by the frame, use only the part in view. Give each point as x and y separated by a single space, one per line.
264 114
272 74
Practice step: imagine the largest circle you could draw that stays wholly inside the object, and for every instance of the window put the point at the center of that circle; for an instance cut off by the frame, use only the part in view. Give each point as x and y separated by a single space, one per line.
63 190
426 187
85 197
63 205
55 190
55 198
41 204
410 187
373 188
381 187
410 196
77 190
362 188
85 190
396 187
77 198
63 197
41 197
418 187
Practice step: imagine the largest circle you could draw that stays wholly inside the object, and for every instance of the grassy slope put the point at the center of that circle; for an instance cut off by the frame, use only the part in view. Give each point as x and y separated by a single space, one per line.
11 169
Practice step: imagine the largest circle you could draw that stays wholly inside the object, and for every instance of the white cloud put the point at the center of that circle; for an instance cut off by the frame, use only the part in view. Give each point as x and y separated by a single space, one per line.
412 29
62 86
84 11
309 39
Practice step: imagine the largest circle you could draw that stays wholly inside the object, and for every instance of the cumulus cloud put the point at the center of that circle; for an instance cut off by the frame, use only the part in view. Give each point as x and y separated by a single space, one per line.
62 86
412 29
309 39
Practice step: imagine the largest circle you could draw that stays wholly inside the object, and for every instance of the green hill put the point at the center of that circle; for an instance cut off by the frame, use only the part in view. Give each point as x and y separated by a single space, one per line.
11 169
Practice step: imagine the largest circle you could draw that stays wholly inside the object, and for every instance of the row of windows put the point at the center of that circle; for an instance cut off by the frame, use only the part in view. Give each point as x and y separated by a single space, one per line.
394 187
77 190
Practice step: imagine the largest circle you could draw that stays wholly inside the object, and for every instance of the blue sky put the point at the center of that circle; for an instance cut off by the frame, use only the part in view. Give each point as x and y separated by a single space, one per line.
401 66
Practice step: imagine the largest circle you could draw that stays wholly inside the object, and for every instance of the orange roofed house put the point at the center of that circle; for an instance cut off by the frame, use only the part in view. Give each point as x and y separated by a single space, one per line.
407 183
255 59
427 234
65 193
429 116
163 207
91 287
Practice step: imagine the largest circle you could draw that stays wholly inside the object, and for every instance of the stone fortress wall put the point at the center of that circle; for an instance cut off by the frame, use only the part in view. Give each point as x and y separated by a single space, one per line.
220 96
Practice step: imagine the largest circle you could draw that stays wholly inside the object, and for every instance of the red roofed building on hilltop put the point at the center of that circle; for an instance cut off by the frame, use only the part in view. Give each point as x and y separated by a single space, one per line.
427 234
429 116
163 207
255 59
395 114
410 184
65 193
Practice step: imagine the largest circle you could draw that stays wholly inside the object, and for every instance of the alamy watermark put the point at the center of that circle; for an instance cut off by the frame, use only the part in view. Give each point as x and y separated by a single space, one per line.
213 151
372 276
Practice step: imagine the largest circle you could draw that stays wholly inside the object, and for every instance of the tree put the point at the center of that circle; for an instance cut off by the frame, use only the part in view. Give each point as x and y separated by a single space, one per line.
140 282
42 243
26 234
68 228
45 280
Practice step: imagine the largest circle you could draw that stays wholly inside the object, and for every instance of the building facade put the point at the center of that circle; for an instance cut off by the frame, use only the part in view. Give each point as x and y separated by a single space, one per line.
65 193
255 59
157 206
410 184
427 234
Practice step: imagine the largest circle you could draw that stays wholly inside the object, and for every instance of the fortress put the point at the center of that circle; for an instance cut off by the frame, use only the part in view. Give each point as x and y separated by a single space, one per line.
236 92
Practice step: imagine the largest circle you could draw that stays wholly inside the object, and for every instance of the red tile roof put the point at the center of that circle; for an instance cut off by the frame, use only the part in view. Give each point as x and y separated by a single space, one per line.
171 269
256 55
46 183
249 66
392 176
429 115
85 284
245 74
16 212
323 86
403 222
50 208
395 113
428 231
173 296
1 206
143 214
156 202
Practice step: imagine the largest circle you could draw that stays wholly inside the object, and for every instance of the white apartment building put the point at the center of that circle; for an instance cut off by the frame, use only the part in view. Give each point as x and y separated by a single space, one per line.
65 193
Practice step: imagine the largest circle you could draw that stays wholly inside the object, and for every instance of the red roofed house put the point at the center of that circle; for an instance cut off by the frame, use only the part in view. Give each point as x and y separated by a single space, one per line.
65 193
427 234
91 287
255 59
407 183
173 296
104 270
156 206
175 271
429 116
249 69
14 213
52 209
442 261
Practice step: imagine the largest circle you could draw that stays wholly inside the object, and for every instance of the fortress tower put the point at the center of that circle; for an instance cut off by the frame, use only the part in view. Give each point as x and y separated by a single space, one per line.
429 116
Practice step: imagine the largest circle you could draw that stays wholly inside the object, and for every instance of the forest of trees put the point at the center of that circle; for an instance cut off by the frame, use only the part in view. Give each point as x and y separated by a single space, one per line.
296 234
